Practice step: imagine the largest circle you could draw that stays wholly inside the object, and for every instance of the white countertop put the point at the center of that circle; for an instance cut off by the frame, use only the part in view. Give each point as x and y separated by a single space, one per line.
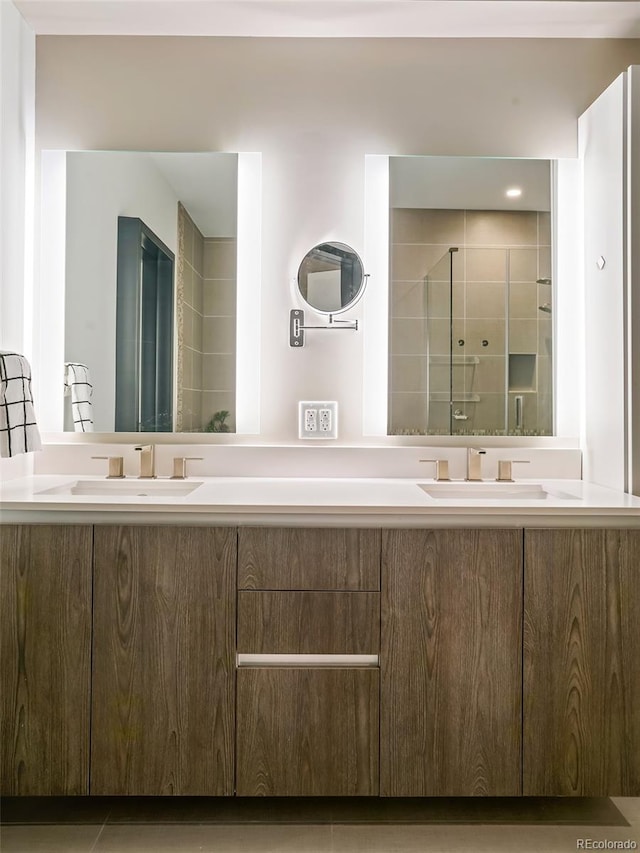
372 502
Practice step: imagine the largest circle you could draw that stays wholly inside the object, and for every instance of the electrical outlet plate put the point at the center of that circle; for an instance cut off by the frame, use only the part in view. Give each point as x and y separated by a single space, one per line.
317 419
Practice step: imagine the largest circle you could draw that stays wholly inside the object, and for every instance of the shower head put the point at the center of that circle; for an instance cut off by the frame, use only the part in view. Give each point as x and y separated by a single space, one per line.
543 281
545 307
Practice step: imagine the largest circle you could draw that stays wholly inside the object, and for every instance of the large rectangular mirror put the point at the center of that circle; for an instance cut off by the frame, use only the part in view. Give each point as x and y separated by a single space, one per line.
470 296
150 291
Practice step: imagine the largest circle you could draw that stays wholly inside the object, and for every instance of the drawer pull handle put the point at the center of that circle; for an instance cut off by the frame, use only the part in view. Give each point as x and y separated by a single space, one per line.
307 660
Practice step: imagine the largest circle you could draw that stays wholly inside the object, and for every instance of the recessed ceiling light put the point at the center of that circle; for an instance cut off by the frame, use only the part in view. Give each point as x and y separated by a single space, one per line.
513 192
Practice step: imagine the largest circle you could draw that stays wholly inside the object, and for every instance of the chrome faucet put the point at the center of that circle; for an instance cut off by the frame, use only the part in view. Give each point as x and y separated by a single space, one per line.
474 463
147 462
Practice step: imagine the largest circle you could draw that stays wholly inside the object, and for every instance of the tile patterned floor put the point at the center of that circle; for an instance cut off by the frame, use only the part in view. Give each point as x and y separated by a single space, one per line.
183 825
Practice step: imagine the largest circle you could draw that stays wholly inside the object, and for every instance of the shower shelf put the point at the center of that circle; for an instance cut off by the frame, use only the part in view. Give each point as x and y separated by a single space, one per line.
458 397
456 360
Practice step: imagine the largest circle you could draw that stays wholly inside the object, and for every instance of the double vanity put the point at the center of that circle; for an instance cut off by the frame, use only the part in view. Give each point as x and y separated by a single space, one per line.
287 636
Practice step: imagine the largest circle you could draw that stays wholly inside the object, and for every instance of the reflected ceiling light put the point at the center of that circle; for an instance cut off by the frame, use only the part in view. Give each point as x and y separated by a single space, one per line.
513 192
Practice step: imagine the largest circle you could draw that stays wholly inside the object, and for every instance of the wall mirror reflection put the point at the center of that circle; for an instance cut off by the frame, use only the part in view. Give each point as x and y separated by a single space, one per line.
331 278
150 290
471 296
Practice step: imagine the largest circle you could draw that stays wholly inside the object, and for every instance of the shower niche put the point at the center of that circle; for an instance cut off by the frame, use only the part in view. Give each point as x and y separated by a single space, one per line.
470 297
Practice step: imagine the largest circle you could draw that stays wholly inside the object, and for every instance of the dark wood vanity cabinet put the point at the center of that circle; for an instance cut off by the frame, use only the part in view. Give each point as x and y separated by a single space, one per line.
307 729
582 663
509 661
451 677
163 661
45 644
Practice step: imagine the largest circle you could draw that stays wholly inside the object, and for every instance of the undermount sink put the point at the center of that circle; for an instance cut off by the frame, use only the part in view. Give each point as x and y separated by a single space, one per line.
133 488
492 491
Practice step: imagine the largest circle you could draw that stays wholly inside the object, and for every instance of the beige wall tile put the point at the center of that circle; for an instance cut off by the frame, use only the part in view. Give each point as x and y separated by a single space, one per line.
219 297
198 250
488 414
218 372
197 292
501 227
490 330
187 325
192 410
544 228
410 262
219 335
486 265
408 298
197 331
408 413
413 225
219 259
187 237
438 302
486 299
187 281
523 336
523 264
187 368
440 377
487 376
545 414
408 373
544 263
216 401
197 370
408 337
439 337
545 331
523 301
545 374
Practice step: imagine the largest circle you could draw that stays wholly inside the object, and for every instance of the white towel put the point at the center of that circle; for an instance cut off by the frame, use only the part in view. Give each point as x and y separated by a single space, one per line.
18 429
76 378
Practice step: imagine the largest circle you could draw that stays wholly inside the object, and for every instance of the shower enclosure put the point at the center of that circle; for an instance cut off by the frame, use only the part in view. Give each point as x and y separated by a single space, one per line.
470 349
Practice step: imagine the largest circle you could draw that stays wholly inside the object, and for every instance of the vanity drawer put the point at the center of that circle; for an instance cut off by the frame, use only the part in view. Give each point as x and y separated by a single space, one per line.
308 558
346 623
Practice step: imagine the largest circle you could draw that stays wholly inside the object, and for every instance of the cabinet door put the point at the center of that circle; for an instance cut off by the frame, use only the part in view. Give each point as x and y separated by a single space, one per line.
45 608
307 732
451 680
582 663
163 661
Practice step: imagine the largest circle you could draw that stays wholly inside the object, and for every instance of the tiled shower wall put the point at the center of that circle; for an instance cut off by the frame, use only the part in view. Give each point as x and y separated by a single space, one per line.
501 339
206 312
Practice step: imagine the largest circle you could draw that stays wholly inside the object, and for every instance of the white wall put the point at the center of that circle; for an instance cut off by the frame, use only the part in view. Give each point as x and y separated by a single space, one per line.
633 274
101 187
603 154
315 108
17 106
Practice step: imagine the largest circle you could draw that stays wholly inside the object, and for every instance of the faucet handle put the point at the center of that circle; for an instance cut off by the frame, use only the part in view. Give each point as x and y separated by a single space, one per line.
504 469
442 468
180 466
116 467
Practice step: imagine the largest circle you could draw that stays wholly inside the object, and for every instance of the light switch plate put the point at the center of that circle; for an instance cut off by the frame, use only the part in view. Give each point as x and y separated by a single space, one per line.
317 419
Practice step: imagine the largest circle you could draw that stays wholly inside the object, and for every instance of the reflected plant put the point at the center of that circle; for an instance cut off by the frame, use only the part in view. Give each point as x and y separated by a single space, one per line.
217 422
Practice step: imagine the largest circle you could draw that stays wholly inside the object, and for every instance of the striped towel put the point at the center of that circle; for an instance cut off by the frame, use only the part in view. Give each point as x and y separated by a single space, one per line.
18 429
76 380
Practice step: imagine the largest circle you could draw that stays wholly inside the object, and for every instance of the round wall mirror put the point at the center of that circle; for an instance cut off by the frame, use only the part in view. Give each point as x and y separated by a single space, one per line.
331 278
